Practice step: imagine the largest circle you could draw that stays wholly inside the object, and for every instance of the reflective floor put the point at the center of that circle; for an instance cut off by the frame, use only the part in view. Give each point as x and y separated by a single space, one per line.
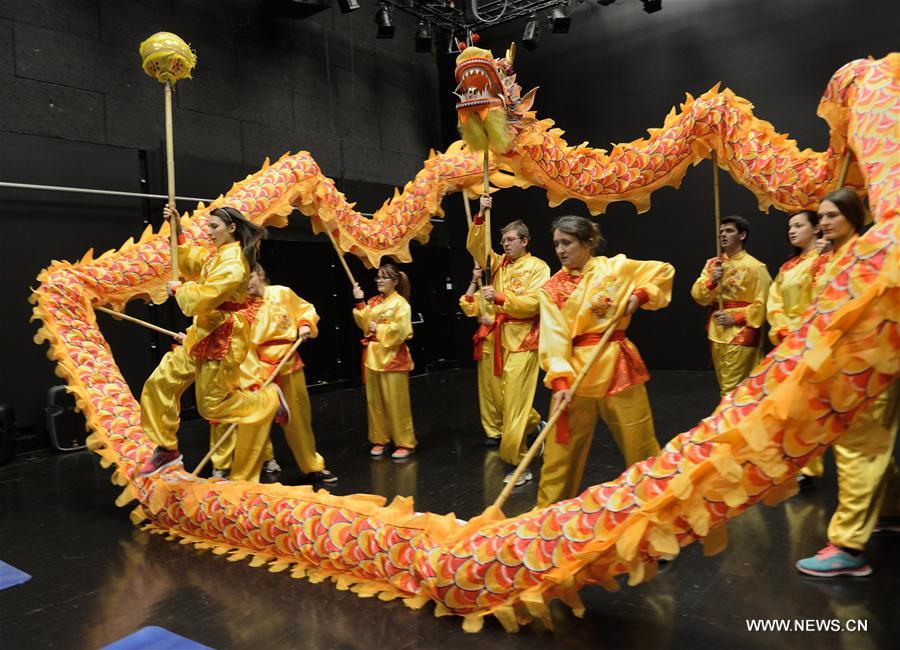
96 578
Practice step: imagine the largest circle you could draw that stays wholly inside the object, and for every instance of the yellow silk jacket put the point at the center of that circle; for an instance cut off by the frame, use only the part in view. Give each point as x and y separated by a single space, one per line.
385 350
518 284
214 294
790 294
276 324
746 283
577 306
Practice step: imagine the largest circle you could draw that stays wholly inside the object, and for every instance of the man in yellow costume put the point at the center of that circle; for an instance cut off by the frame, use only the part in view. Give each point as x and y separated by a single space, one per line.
742 282
280 317
506 341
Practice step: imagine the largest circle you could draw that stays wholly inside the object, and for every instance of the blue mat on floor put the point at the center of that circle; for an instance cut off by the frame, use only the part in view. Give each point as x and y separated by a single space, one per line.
10 576
155 638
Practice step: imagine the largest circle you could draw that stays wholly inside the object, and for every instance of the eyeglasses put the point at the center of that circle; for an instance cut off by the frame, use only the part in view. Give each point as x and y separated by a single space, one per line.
509 240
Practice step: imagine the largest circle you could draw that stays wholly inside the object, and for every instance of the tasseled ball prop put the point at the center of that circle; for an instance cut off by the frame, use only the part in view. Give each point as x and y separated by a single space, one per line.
167 58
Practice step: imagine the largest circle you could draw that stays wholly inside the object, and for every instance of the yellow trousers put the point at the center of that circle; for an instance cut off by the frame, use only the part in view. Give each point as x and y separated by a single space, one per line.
505 401
814 468
868 482
628 416
387 403
161 397
298 432
247 448
733 363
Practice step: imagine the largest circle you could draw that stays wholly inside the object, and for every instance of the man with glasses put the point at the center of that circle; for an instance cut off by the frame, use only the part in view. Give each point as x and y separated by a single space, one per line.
506 341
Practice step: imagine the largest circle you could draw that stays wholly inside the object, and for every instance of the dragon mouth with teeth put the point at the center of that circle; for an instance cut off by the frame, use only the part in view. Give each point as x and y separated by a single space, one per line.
479 87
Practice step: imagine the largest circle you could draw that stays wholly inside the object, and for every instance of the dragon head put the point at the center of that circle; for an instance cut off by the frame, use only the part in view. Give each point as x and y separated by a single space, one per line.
491 108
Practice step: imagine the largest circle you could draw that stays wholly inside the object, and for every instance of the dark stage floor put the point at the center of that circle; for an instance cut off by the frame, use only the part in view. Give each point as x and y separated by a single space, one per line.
96 578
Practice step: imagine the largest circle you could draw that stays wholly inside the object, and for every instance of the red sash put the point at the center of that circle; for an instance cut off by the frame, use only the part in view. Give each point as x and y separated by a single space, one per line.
496 329
214 346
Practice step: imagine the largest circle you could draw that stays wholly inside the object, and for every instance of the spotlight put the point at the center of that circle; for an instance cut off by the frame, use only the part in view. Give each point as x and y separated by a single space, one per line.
348 5
423 37
383 20
605 3
559 21
652 6
532 33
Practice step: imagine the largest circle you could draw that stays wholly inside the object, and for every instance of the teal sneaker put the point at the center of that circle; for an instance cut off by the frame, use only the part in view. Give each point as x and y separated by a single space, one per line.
834 561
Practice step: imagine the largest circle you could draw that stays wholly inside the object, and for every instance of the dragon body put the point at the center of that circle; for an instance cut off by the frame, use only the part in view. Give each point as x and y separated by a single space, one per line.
797 402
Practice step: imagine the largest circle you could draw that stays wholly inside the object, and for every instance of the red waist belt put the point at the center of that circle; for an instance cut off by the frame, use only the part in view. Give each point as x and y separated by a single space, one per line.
214 346
497 329
748 336
295 364
630 371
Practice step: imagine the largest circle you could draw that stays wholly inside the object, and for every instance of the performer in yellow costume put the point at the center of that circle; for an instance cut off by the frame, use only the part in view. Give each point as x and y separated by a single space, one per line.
868 480
578 304
280 317
386 321
506 341
216 344
792 292
743 282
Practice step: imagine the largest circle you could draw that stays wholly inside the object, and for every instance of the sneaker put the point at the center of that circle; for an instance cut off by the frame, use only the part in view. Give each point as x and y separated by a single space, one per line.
160 459
377 451
324 476
805 482
534 436
523 479
283 414
887 525
401 453
271 466
220 473
834 561
492 442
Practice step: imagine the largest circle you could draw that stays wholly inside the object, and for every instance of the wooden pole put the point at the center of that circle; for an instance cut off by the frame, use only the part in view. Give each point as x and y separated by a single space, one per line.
718 214
845 167
137 321
554 417
486 272
230 430
170 173
469 221
340 255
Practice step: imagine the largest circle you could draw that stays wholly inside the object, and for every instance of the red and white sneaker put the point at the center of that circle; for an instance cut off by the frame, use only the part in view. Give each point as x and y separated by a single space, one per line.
160 459
283 414
402 452
377 451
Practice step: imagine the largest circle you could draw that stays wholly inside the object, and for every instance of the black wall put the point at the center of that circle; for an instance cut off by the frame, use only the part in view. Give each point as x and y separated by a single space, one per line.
619 71
75 109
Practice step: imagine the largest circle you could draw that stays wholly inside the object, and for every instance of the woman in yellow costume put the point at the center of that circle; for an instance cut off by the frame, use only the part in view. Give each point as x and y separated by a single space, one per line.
280 317
216 345
578 304
386 321
868 482
791 293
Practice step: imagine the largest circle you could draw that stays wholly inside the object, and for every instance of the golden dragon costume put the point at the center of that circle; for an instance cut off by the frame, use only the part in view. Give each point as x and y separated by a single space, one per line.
796 403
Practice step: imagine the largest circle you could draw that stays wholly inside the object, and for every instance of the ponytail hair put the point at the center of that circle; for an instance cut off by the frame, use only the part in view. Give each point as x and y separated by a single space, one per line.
246 232
390 269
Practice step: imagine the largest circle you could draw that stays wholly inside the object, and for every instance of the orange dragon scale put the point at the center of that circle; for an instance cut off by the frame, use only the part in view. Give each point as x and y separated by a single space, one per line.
796 402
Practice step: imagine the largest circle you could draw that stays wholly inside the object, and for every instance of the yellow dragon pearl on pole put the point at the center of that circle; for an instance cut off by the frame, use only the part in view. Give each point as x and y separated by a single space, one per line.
168 59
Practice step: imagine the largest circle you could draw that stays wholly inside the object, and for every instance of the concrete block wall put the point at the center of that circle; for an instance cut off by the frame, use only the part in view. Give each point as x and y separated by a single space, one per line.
367 109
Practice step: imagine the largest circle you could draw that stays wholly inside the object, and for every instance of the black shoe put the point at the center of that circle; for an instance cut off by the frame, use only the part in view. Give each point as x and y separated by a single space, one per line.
805 482
324 476
492 442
